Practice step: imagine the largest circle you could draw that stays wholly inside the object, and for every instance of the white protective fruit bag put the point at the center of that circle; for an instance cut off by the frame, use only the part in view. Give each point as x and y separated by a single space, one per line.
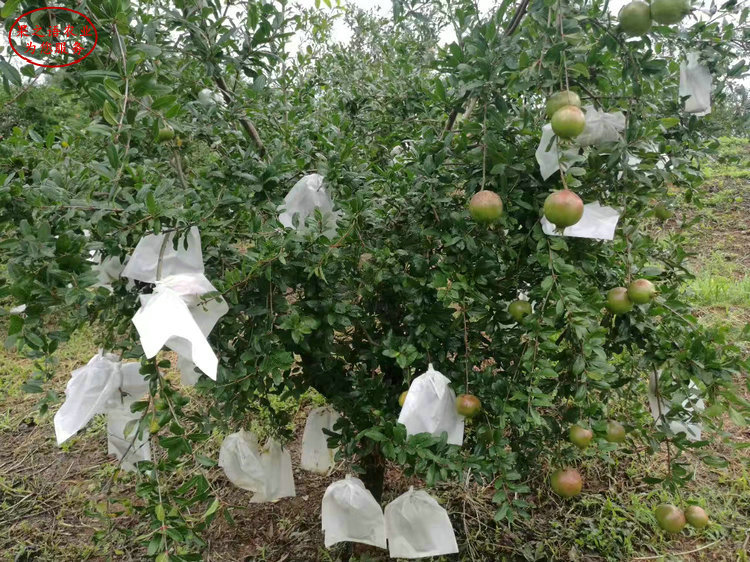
316 456
87 394
302 200
176 314
416 526
350 513
601 127
144 263
691 403
598 223
122 439
108 269
267 472
430 407
695 81
551 160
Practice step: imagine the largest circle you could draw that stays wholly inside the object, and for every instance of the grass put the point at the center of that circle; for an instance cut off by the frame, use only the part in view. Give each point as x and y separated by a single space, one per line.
719 291
51 499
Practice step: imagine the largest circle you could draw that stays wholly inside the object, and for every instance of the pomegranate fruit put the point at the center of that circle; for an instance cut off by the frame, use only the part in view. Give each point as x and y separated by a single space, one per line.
563 208
519 309
618 301
486 206
468 405
696 516
670 518
635 18
566 483
568 122
662 212
580 436
615 432
669 11
641 291
559 100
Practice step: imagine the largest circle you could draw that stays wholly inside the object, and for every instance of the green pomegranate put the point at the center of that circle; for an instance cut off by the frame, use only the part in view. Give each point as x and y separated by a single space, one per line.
563 208
566 483
568 122
615 432
166 134
696 516
486 206
635 18
641 291
468 405
669 11
561 99
618 301
519 309
580 436
662 212
670 518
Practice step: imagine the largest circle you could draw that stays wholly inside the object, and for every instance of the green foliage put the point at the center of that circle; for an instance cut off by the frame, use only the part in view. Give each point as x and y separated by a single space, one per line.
306 310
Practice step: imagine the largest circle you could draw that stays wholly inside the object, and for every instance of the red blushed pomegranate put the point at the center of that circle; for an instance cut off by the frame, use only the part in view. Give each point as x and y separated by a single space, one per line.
468 405
563 208
566 483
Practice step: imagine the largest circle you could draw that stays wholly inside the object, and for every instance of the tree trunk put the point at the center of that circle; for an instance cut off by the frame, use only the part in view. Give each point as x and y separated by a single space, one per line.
374 465
373 479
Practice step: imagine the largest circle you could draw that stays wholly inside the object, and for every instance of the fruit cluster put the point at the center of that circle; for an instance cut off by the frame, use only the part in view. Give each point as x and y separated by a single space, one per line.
637 16
568 482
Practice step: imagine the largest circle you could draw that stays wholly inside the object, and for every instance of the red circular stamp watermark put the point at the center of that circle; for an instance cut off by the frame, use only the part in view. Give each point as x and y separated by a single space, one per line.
55 43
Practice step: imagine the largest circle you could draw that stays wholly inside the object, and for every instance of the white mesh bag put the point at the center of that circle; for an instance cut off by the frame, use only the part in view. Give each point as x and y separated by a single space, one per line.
316 456
695 81
302 200
87 394
416 526
176 316
267 472
350 513
598 223
122 439
692 402
144 263
551 160
430 407
601 127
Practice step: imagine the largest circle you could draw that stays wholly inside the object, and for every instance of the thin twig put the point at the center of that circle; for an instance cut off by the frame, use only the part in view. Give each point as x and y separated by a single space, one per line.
26 89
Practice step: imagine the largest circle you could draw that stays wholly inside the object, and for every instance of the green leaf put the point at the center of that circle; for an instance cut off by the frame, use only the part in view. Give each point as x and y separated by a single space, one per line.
737 418
159 512
15 325
109 113
151 205
9 8
712 460
213 507
163 102
10 73
374 434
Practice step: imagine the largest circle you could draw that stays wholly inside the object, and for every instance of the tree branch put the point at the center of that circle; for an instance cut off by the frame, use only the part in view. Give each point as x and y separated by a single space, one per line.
244 121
